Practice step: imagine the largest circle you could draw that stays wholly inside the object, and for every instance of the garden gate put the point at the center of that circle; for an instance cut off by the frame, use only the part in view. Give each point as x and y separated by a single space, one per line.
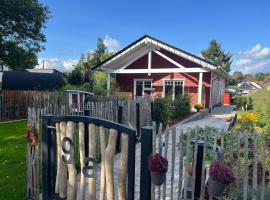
76 144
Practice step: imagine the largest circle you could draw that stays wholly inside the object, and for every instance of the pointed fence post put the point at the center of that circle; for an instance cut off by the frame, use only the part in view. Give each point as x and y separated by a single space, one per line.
146 145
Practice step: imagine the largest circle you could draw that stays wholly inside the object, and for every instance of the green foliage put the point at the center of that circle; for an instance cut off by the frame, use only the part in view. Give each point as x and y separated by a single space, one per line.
100 82
181 107
75 77
162 109
261 106
12 160
166 110
218 56
89 60
21 32
244 102
236 77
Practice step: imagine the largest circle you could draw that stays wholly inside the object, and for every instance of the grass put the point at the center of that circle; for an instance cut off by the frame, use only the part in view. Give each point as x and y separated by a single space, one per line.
12 160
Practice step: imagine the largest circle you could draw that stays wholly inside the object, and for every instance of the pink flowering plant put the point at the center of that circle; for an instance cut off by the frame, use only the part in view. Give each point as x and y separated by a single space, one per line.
221 172
157 164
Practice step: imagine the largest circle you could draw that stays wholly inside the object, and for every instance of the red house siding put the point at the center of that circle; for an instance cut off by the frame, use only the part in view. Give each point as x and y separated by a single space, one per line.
126 83
159 62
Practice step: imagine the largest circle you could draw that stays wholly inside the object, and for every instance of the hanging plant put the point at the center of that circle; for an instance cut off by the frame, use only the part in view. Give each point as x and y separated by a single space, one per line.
158 166
31 135
221 175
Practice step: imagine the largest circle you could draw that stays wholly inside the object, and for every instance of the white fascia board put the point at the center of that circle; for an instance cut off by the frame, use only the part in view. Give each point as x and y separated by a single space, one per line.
124 52
148 41
170 70
256 85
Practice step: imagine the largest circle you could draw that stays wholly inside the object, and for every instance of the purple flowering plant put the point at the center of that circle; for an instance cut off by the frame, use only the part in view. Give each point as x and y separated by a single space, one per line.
221 172
157 163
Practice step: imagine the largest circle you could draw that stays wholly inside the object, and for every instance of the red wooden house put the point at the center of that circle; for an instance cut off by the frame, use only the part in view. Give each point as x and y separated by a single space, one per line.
151 67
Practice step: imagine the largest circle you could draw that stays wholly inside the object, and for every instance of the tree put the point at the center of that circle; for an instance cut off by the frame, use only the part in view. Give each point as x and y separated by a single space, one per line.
75 77
21 24
88 61
218 56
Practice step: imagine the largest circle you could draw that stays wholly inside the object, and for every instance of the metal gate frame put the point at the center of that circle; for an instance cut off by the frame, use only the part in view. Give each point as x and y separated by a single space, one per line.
49 150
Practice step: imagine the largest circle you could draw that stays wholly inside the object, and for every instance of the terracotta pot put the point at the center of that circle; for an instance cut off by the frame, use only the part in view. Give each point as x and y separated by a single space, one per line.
228 119
158 179
215 188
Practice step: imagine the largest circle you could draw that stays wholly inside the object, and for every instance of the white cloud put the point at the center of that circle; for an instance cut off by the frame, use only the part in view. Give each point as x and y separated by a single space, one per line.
111 44
56 63
242 62
256 59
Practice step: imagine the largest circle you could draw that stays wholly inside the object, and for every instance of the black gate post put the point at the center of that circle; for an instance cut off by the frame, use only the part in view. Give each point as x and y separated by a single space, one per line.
200 152
48 158
146 145
138 124
119 120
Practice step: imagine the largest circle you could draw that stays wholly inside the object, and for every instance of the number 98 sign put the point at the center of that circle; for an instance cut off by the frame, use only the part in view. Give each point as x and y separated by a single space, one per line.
89 163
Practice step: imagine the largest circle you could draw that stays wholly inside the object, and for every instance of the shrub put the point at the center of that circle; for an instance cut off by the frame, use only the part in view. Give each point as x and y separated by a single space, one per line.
181 107
162 109
247 121
165 109
244 102
198 106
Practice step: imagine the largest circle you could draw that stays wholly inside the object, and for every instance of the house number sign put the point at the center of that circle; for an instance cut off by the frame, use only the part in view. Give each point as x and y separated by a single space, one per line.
89 163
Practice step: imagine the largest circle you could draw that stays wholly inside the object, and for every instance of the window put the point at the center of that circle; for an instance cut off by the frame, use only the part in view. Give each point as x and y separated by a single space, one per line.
142 87
173 88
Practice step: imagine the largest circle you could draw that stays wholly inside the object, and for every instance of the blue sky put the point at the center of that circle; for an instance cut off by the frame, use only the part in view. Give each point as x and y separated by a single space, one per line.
242 27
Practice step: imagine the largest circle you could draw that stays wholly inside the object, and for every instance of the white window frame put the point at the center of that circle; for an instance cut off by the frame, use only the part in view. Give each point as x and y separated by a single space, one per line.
143 80
174 80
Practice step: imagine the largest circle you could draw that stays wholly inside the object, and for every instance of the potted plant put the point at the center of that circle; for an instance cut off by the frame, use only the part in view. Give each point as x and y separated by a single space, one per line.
158 166
221 175
199 106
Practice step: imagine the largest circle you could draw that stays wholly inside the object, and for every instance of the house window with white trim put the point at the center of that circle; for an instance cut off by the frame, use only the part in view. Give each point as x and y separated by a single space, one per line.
142 87
173 88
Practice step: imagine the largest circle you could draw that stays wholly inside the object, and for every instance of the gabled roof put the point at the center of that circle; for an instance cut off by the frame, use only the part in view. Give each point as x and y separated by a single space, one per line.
155 41
25 80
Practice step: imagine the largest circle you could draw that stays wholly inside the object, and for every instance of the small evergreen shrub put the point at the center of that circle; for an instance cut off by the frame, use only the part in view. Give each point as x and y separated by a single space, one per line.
166 110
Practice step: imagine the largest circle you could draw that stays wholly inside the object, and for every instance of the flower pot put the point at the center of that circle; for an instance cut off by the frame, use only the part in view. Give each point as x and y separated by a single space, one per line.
158 179
228 119
215 188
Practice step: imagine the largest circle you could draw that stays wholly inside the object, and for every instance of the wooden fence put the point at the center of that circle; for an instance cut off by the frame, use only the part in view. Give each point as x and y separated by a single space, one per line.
136 113
14 104
57 105
194 150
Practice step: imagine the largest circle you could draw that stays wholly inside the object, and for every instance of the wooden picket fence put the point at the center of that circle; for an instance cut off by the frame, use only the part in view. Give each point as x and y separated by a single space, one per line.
14 104
245 153
136 112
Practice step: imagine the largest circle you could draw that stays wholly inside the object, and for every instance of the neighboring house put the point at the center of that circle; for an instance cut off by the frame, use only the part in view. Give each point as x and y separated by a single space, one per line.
247 87
32 80
151 67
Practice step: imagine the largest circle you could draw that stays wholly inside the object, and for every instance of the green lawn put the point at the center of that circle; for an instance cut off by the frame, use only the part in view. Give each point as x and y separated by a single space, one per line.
12 160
